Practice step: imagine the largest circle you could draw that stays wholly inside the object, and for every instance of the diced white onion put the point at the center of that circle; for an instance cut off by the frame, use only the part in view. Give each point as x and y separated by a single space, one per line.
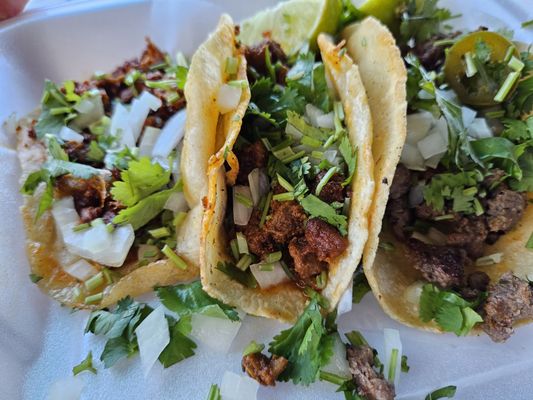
120 125
491 259
69 388
433 162
90 109
152 336
468 115
139 110
241 213
346 301
293 132
266 279
479 129
416 195
70 135
441 126
412 158
326 121
215 333
176 202
238 387
148 140
392 342
331 155
412 294
312 113
425 95
170 135
432 145
228 98
259 186
81 270
338 364
418 126
93 243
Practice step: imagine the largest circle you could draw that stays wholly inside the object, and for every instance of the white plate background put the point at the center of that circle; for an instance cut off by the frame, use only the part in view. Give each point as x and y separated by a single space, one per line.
40 341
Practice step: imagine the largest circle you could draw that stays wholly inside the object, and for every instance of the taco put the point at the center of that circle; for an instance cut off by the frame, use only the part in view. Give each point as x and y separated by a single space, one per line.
290 186
453 252
103 203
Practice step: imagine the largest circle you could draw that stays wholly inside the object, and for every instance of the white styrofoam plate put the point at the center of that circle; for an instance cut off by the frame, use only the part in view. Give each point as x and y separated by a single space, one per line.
40 341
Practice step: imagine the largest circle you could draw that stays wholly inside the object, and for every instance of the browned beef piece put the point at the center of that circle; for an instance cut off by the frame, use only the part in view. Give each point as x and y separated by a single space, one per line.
151 56
89 195
441 265
263 369
476 283
469 233
504 209
77 152
426 212
306 263
287 220
260 242
255 56
325 239
370 384
251 156
401 184
509 300
400 216
331 191
432 57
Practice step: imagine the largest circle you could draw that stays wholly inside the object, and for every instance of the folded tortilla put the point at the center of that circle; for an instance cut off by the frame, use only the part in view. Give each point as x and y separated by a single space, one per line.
285 301
394 282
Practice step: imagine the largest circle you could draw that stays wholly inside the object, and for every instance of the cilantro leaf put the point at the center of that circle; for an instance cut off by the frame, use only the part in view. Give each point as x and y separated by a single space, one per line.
85 365
525 163
450 311
447 391
482 51
405 366
116 349
350 157
450 186
306 129
180 346
317 208
186 299
57 168
214 393
47 199
95 153
517 130
141 179
145 210
51 122
360 286
307 346
54 148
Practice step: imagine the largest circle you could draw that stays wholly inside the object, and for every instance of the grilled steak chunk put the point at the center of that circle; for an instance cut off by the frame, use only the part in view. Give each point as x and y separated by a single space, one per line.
306 263
251 156
263 369
325 239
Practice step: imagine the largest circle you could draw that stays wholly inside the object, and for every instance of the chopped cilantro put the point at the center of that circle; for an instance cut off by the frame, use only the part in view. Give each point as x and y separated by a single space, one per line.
529 244
54 148
35 278
95 153
517 130
450 311
214 393
447 391
50 121
350 157
405 366
306 129
85 365
527 24
180 346
360 286
308 346
252 348
245 278
525 163
189 298
317 208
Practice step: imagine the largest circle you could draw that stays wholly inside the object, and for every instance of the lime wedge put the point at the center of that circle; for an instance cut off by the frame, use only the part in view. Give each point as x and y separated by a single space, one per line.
384 10
293 23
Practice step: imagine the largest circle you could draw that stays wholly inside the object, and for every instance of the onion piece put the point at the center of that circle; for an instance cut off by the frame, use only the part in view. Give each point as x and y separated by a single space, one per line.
88 243
241 213
69 388
412 158
326 121
91 109
259 185
120 126
418 126
432 145
238 387
81 270
171 135
269 278
412 294
313 113
491 259
139 110
331 155
338 364
346 301
479 129
393 355
152 336
468 115
70 135
293 132
176 202
434 161
204 326
228 98
148 140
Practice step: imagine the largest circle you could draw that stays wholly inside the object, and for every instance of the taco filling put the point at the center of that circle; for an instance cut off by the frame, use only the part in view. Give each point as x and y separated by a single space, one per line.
464 180
287 212
101 166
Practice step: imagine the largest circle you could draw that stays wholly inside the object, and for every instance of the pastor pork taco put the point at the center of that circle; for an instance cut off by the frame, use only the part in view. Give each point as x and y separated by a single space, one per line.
103 202
290 186
453 250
